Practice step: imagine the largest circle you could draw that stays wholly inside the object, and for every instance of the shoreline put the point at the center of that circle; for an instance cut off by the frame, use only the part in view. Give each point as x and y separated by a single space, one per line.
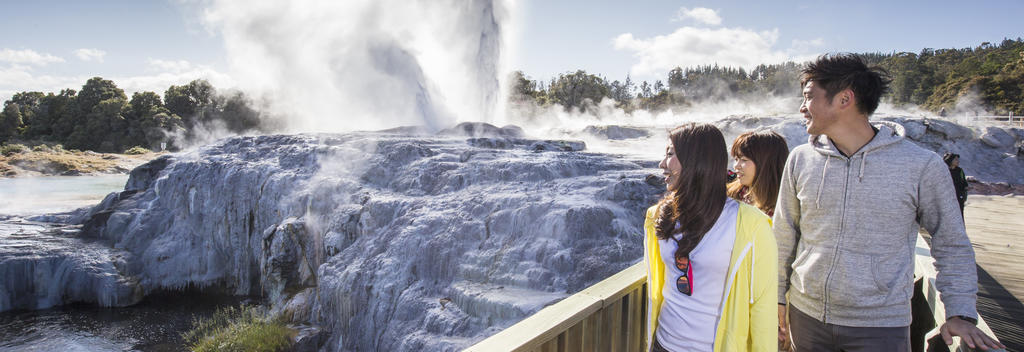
59 162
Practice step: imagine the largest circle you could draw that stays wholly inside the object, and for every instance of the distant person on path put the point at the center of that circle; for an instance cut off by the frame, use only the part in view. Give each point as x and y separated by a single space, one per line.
711 260
959 179
850 205
759 159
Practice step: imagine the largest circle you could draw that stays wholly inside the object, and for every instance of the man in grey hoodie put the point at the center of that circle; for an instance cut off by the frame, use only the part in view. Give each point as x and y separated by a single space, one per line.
850 205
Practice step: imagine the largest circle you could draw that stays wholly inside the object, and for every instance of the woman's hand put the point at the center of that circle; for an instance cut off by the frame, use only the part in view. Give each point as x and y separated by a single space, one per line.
784 343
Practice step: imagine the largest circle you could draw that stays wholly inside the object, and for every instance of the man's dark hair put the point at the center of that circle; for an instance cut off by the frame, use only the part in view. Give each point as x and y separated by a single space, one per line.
949 157
836 72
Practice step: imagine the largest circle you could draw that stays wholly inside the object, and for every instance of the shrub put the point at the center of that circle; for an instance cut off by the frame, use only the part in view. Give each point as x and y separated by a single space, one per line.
239 329
11 149
136 150
42 148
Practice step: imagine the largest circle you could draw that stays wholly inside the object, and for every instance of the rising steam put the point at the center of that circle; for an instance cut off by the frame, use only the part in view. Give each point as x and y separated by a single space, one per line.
331 66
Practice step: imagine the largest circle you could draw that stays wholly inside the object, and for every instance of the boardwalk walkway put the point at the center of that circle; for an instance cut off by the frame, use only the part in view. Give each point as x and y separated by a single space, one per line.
995 225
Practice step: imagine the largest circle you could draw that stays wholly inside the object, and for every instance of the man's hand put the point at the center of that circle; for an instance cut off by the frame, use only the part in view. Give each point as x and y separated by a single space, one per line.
968 333
784 343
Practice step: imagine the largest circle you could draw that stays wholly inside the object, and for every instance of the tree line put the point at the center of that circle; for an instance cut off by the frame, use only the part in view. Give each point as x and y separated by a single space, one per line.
932 79
100 117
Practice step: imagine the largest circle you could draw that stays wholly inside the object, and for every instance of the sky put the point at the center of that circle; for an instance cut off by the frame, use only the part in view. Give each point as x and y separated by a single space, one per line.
149 45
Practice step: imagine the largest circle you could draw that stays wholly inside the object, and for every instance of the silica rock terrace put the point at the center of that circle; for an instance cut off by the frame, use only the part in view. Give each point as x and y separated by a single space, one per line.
359 236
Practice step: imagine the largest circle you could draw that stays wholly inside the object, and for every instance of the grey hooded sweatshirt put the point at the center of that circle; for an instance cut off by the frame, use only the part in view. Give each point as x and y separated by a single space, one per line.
847 227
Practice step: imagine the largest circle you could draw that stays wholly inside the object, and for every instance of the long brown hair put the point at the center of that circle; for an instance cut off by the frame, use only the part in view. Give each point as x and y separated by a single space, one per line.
768 151
699 194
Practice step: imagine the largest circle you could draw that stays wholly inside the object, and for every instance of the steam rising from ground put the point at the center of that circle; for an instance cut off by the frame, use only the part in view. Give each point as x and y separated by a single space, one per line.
346 65
555 122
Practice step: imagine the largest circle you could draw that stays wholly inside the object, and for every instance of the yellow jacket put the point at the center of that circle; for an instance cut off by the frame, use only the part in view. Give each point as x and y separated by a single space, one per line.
749 317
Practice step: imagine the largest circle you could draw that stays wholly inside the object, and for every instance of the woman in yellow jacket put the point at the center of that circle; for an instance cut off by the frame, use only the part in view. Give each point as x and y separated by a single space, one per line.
711 260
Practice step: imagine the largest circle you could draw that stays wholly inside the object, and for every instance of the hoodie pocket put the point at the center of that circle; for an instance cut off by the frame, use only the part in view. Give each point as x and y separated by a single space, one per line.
893 278
858 281
807 275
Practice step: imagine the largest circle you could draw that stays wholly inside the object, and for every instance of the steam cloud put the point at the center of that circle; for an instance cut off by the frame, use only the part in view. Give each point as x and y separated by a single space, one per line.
331 66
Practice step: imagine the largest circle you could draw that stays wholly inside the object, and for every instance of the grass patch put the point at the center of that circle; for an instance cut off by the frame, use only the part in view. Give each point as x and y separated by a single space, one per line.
239 329
136 150
11 149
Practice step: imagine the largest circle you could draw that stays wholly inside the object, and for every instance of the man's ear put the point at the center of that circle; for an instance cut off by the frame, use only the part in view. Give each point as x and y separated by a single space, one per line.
846 98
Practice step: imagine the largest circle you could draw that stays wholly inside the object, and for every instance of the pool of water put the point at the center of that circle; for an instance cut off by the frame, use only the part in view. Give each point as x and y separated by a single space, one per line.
24 196
155 324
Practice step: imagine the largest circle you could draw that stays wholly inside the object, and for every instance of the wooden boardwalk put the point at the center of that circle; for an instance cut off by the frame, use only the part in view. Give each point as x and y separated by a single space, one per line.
995 225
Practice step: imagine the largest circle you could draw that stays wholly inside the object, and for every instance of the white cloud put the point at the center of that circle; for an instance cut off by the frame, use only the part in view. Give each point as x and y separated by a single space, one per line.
173 73
805 50
176 66
87 54
689 46
699 14
21 78
27 56
799 46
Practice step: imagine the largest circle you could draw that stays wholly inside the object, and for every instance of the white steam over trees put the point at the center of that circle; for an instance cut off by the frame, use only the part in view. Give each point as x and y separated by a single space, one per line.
993 75
101 117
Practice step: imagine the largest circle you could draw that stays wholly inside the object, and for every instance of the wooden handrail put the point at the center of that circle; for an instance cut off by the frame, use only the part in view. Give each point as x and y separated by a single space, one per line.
608 316
924 270
611 315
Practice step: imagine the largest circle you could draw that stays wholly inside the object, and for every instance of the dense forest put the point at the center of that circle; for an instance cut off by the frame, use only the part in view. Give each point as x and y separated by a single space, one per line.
100 117
934 79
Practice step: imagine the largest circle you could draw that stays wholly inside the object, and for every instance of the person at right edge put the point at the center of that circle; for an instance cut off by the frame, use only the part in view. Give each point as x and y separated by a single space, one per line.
850 205
959 179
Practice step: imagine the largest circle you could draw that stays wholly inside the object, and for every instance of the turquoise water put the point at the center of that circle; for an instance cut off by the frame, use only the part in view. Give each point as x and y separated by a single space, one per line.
51 194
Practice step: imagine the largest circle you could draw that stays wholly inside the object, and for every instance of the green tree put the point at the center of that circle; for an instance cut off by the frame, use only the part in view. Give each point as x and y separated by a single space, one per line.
10 122
103 127
237 113
28 105
575 90
62 110
140 116
675 79
192 102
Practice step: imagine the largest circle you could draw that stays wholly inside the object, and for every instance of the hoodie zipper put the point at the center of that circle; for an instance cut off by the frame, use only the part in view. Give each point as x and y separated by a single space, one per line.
839 240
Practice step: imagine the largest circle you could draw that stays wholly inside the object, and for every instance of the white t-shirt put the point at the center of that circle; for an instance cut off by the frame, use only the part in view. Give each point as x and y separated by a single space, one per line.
688 323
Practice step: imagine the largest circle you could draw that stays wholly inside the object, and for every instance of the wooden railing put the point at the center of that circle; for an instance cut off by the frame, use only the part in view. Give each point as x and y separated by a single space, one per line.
611 316
924 270
1007 120
608 316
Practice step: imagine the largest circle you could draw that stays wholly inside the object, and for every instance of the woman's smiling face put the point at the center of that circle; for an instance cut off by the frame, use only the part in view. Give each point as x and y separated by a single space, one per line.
670 165
745 170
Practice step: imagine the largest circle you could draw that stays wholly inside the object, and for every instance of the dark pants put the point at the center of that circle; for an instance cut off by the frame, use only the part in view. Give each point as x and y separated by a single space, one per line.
961 201
809 334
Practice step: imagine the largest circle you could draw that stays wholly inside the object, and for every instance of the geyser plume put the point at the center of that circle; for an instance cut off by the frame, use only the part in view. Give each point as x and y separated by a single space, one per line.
330 66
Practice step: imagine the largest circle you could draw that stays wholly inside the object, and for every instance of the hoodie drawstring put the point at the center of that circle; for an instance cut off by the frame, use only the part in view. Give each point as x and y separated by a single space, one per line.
817 200
753 253
863 161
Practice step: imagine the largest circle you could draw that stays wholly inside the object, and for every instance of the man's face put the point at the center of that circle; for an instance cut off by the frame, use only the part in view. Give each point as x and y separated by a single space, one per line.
820 113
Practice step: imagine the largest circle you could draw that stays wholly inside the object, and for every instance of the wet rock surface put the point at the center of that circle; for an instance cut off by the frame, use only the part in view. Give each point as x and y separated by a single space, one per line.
359 236
43 265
